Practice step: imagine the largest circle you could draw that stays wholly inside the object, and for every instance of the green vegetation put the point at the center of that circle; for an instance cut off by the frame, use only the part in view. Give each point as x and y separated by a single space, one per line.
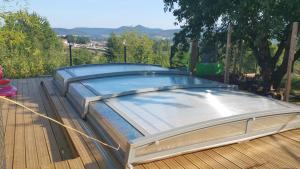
77 39
140 49
28 46
85 56
256 24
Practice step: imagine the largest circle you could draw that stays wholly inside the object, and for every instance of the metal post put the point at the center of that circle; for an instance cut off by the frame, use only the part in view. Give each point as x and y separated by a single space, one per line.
171 57
70 51
291 59
125 50
243 51
227 58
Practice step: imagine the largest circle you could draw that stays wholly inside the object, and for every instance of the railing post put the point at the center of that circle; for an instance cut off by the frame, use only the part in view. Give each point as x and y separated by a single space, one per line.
70 51
125 51
227 58
125 54
292 52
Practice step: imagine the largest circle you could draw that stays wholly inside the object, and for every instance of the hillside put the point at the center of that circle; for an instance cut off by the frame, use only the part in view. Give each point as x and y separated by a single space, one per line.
103 33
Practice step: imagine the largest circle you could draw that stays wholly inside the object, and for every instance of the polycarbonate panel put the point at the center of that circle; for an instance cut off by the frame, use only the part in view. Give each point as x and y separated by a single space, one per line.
110 68
156 112
263 123
114 120
149 123
120 84
80 92
60 78
195 137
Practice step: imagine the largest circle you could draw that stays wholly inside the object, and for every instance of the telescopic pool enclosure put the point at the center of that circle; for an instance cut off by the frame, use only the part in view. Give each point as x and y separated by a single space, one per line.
154 112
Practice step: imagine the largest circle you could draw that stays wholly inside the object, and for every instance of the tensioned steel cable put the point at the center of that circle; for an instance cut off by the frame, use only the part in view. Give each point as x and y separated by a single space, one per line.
61 124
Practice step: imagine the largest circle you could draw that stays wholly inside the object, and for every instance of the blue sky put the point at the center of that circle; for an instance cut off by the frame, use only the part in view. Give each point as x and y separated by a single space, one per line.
103 13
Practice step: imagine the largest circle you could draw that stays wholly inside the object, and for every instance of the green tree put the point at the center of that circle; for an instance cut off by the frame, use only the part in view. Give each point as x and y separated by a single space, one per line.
28 45
70 38
140 49
82 56
77 39
114 48
161 50
254 21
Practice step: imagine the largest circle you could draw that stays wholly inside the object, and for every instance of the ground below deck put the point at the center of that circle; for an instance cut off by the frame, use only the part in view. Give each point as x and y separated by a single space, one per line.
32 142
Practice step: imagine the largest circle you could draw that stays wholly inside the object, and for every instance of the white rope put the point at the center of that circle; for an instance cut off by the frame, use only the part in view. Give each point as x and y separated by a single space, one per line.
61 124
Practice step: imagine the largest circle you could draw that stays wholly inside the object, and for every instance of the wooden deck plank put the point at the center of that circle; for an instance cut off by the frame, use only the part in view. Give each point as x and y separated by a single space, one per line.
41 145
32 160
208 160
103 159
4 111
19 147
50 137
268 153
161 165
291 135
277 151
10 132
86 156
261 157
50 166
62 165
236 157
291 141
221 159
150 166
284 146
75 163
197 161
185 162
99 152
173 163
66 146
274 151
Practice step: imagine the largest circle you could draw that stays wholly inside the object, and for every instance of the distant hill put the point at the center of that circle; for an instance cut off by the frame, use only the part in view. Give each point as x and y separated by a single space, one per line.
103 33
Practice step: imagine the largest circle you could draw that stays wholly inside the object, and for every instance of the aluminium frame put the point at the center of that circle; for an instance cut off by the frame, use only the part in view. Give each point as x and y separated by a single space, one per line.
155 139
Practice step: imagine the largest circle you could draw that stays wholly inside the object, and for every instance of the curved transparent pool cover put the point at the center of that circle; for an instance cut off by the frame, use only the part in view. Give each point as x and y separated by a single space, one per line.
106 86
158 114
110 68
65 75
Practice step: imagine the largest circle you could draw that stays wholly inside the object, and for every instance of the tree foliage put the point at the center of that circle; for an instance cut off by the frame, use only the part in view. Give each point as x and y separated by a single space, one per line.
140 49
77 39
28 46
255 22
85 56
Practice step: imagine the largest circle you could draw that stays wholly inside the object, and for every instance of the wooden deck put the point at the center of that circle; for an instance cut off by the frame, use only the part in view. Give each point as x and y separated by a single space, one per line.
33 142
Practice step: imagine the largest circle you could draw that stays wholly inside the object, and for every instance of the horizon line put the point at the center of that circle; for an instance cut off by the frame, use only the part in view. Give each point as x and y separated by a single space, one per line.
76 27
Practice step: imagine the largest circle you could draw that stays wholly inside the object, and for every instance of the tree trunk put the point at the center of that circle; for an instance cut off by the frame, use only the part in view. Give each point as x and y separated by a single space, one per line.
280 72
263 56
267 73
272 74
194 56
